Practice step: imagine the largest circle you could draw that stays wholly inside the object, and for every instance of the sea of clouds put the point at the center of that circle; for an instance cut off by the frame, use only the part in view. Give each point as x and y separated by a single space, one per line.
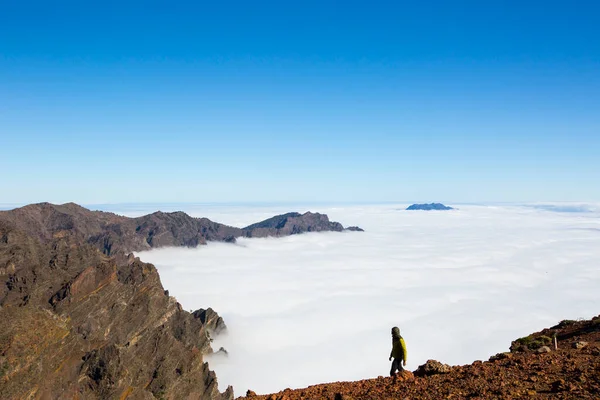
318 307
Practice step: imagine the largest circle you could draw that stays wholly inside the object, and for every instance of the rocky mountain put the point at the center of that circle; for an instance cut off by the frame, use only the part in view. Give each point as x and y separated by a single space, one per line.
84 319
294 223
532 369
429 207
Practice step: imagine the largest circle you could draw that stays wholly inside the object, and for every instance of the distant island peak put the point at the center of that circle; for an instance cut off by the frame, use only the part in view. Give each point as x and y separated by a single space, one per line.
429 207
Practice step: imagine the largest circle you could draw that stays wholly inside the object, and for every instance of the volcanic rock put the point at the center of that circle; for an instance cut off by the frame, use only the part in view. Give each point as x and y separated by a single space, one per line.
80 324
432 367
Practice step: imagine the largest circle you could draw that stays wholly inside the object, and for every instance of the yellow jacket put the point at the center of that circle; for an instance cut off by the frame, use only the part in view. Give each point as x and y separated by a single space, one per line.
398 349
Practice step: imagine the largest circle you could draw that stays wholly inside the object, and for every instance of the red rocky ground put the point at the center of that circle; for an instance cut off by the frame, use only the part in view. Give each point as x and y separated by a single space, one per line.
533 369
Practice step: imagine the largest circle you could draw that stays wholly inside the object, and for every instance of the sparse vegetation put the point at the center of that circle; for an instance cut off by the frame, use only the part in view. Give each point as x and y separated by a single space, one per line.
3 368
566 322
534 342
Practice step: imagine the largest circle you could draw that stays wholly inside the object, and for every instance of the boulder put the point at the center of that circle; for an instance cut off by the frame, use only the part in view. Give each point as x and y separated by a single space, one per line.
544 349
432 367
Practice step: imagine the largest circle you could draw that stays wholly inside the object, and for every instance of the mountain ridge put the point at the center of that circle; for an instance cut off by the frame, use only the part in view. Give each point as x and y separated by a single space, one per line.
83 318
112 232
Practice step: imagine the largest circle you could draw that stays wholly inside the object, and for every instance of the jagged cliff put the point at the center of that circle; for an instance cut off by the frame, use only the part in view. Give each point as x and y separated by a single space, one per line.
82 318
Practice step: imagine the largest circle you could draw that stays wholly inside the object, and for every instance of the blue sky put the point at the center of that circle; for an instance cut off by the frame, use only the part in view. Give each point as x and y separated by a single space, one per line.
463 101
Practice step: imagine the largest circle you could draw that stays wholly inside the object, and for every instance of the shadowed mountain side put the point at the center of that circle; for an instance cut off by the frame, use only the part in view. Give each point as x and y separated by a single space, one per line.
112 233
533 369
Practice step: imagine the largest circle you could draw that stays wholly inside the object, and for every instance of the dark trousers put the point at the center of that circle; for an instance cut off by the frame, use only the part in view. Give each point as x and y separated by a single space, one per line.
396 366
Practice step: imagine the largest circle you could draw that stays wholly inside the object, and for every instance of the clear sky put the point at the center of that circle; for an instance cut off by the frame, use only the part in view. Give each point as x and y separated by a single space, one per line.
292 101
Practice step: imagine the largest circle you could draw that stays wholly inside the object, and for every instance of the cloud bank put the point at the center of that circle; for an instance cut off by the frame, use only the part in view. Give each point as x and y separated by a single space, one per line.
565 208
318 307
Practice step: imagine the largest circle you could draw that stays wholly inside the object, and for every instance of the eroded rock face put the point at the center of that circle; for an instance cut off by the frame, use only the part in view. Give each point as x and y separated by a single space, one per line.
79 324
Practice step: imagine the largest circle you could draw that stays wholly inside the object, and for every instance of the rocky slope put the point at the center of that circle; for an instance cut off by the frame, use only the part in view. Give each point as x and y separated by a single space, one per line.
83 319
533 369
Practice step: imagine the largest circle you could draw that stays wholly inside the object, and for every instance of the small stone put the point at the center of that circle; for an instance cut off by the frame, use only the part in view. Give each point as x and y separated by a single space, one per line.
403 375
579 345
562 386
544 349
250 393
558 386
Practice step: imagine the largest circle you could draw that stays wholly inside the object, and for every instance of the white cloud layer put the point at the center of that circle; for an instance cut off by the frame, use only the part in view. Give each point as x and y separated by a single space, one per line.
313 308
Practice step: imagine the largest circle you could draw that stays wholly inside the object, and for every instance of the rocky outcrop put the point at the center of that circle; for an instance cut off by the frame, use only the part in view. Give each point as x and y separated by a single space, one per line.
83 319
432 367
291 224
569 372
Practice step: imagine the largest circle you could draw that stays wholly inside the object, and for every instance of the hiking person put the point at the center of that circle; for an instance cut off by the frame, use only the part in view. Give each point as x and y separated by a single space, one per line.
398 352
